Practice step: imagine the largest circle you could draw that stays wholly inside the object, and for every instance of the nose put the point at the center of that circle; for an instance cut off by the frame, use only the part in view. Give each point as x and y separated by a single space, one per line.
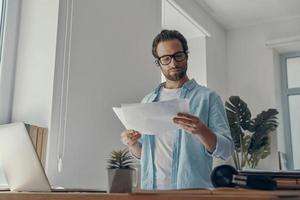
173 63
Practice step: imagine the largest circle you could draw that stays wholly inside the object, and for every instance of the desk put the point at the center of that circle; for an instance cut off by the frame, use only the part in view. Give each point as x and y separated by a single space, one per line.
199 194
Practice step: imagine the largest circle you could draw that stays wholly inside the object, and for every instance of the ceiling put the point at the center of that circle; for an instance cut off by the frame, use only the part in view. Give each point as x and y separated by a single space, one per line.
233 14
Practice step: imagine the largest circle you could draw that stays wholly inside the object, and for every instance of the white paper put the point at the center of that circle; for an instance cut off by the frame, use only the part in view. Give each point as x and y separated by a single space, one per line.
152 118
119 113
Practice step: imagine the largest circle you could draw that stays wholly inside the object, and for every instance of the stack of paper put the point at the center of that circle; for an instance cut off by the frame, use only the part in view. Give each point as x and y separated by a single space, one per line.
151 118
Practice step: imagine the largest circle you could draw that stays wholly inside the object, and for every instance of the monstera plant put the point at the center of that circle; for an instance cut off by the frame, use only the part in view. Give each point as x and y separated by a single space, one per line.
251 136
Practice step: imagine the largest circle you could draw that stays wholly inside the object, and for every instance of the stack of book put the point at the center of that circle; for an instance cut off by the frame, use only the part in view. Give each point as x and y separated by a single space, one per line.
283 179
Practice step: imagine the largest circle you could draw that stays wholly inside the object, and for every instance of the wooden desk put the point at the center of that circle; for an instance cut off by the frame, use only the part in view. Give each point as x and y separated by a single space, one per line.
199 194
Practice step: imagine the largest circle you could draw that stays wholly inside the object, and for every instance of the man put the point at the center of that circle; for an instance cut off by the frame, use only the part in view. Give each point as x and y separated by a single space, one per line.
182 158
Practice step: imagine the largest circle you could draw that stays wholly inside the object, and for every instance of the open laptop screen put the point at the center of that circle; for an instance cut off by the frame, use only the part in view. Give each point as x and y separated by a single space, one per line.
20 163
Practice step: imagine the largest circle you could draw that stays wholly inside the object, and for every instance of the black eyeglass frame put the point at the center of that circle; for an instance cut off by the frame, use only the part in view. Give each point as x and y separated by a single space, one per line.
158 62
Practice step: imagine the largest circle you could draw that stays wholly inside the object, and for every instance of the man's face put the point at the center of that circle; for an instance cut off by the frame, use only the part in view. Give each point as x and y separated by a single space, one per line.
175 70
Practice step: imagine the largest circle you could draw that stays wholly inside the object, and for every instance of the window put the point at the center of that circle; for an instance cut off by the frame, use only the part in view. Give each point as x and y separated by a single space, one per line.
2 20
291 106
9 24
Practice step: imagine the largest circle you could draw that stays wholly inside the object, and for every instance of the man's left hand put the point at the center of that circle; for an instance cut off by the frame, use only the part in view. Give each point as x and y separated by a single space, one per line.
190 123
193 124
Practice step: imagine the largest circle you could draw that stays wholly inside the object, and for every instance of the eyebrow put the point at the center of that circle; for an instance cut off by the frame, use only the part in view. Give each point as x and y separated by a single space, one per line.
171 54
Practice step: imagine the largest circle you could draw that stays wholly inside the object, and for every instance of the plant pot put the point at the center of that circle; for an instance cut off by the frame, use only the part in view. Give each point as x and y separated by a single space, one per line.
120 180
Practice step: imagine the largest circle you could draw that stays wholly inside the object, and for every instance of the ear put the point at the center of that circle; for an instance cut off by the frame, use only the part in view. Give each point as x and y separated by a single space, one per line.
157 63
187 54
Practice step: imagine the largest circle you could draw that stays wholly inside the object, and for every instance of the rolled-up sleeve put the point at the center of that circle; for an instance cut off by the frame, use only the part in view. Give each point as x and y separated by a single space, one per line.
218 123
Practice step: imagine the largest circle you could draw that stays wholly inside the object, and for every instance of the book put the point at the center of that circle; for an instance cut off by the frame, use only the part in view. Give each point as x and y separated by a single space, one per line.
272 173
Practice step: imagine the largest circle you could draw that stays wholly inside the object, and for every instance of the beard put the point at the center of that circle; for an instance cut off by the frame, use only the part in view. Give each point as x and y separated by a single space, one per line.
175 76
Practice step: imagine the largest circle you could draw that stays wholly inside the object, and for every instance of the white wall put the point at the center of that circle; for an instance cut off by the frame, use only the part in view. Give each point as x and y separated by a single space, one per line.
3 182
253 73
32 97
197 68
108 62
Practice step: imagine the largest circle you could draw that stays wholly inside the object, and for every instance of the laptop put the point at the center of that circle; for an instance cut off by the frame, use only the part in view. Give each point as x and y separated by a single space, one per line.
20 163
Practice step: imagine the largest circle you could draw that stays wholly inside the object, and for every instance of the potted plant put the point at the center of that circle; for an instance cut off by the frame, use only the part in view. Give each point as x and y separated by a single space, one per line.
251 136
120 171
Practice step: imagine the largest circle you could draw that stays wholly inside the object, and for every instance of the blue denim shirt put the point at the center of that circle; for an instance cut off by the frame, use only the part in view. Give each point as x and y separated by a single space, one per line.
191 163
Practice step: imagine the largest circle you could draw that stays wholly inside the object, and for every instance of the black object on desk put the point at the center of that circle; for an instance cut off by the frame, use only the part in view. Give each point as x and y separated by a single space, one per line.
222 176
228 176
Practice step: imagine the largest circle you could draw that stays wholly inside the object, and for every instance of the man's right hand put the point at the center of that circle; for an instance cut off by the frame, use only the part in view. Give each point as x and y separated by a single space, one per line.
130 137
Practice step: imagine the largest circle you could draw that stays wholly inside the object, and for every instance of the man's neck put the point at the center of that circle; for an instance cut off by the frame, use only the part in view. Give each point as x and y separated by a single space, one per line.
176 84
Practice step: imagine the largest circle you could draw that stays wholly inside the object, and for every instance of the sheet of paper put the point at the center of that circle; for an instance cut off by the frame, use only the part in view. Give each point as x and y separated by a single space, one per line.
119 113
152 118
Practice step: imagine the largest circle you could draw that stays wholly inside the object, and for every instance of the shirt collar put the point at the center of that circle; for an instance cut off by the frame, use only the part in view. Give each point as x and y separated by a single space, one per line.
189 85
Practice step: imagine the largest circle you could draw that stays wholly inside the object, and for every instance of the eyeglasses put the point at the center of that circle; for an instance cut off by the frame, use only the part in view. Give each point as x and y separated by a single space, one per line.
166 59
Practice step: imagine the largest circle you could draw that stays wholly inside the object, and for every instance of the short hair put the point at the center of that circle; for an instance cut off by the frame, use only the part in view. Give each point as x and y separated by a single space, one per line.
165 35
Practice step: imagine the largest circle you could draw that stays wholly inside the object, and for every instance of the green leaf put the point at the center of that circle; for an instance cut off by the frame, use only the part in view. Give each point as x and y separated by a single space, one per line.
239 118
264 123
120 159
